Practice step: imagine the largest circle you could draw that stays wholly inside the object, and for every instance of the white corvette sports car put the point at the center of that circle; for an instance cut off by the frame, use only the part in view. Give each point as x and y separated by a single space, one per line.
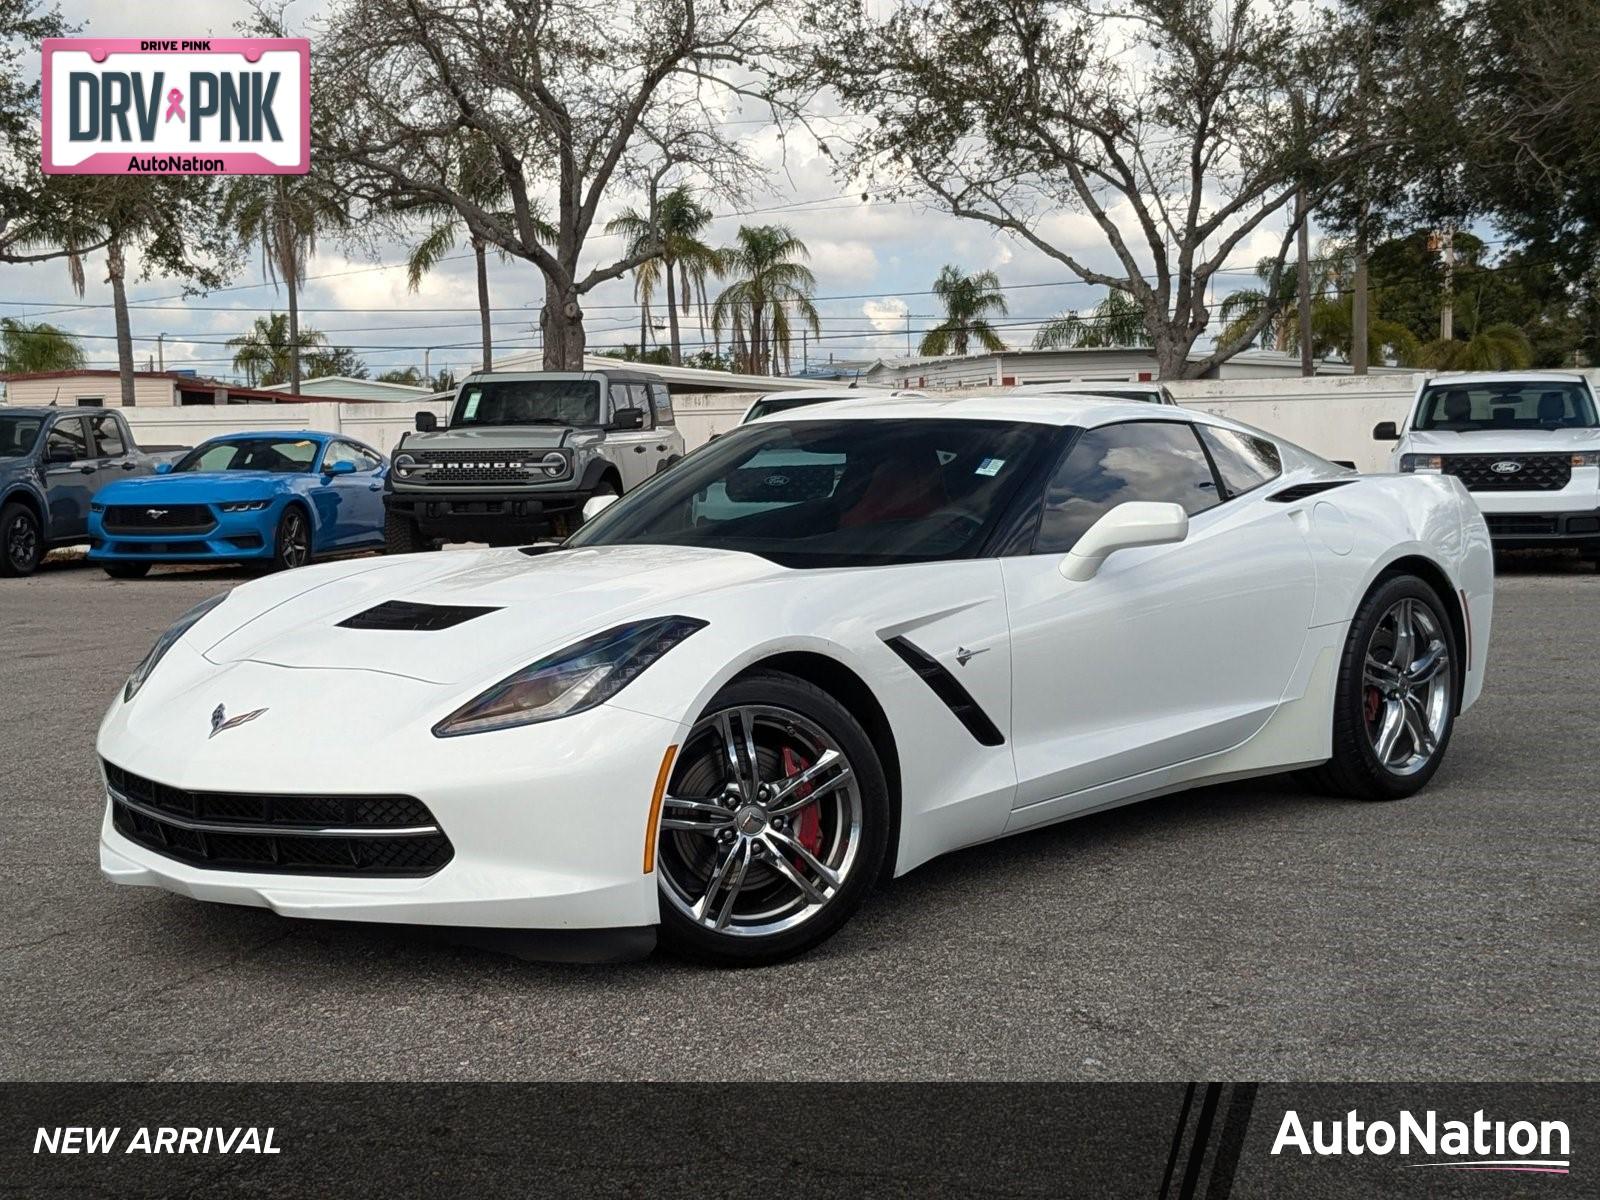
897 628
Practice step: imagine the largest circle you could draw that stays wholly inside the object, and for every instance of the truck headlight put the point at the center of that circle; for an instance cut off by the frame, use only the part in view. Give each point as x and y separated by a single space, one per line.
580 677
1421 462
403 464
554 464
1586 458
166 642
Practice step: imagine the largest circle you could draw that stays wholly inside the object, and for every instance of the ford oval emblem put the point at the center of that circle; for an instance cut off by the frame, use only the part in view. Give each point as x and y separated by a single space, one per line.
1506 466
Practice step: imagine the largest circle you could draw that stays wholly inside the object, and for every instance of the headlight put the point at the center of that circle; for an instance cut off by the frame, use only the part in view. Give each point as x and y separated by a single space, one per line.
165 642
570 680
1586 458
404 464
1421 462
244 505
554 464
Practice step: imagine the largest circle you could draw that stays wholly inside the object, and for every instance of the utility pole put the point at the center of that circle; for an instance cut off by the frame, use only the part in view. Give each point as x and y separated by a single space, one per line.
161 353
426 354
805 354
1447 309
1303 273
908 333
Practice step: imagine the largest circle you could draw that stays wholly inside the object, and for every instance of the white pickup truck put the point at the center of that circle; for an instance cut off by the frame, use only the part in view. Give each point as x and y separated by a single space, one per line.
1525 444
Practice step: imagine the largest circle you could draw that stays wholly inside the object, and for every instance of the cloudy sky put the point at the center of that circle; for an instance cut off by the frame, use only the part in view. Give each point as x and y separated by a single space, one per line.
874 263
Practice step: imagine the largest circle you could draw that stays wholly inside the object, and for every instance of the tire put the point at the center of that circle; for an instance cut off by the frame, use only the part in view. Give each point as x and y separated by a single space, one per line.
126 570
1364 705
402 536
21 540
712 827
292 543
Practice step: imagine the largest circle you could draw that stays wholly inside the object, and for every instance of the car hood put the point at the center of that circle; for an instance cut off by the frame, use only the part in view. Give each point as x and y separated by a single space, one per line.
1500 441
503 437
194 487
539 604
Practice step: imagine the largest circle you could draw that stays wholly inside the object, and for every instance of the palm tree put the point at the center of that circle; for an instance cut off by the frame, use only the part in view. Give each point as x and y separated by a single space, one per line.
283 215
269 353
967 300
1333 326
37 347
684 264
481 181
1499 347
1117 321
767 283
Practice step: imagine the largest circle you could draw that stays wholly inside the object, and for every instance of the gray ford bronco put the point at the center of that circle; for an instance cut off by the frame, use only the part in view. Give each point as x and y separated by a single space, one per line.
522 454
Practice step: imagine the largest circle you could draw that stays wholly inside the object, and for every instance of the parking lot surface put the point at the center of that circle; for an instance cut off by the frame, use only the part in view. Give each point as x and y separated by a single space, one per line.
1250 931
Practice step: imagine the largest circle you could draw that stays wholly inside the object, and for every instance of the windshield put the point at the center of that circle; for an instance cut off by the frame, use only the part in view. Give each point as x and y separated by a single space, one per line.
528 402
283 456
765 408
1469 407
833 493
18 434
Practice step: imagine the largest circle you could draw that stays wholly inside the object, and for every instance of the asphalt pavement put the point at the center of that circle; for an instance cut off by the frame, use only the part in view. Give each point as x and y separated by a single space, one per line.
1249 931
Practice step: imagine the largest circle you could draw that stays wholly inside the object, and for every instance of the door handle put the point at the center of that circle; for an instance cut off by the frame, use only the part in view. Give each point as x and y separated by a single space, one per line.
86 470
638 449
662 448
128 466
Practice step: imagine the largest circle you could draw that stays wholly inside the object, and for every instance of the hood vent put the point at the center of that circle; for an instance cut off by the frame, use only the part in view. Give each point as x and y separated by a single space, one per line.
413 617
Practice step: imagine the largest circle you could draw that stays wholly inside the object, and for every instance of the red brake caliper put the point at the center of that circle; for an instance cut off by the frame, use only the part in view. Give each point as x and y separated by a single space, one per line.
808 821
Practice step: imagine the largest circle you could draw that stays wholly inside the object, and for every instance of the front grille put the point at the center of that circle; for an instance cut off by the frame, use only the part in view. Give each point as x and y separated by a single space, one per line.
305 835
1505 524
1532 473
158 518
480 467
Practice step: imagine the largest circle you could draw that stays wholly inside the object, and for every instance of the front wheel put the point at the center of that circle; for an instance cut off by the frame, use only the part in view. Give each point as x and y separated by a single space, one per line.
1395 704
21 543
292 546
774 826
402 536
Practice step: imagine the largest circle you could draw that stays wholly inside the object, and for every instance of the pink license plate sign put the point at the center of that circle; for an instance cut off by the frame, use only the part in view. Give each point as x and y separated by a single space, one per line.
205 106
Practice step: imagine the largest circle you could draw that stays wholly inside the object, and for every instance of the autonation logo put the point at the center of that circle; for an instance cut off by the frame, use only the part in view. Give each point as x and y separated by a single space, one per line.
1476 1145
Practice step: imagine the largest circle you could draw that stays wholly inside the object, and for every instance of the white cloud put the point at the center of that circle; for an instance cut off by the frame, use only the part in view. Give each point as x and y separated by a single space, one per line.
887 316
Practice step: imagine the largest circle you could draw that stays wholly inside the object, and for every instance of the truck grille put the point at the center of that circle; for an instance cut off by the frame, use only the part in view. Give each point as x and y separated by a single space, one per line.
302 835
480 467
1533 473
158 518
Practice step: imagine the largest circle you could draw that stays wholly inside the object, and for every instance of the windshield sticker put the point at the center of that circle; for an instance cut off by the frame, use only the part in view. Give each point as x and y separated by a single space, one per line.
472 405
990 466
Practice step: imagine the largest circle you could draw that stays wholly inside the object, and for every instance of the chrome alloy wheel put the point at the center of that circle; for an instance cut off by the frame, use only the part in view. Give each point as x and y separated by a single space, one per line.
762 823
296 540
1407 687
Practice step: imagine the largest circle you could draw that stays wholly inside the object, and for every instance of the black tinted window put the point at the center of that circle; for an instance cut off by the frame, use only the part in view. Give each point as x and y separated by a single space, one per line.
662 402
107 437
1469 407
1140 460
1244 462
66 437
528 402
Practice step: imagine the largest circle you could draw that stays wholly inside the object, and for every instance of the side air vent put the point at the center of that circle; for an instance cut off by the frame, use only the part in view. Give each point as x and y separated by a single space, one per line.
1302 491
945 686
418 618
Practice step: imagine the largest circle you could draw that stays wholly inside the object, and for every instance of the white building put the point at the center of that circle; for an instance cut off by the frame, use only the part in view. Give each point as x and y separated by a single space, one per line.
346 387
1012 367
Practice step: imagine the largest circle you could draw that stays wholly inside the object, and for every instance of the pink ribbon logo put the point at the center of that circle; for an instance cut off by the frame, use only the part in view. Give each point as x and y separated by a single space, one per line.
175 105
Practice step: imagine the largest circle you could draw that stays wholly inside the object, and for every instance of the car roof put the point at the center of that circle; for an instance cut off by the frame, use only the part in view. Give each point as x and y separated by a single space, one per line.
43 410
1508 377
1037 409
282 435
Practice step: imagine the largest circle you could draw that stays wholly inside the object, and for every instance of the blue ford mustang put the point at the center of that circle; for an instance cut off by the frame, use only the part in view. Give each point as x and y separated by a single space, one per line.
270 497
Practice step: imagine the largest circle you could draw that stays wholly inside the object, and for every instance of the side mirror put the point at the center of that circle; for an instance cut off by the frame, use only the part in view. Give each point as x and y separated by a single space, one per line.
595 505
339 468
1136 523
627 418
1385 431
164 468
427 422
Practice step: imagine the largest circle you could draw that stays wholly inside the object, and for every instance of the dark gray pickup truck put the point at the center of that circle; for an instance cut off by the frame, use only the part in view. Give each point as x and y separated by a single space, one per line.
52 460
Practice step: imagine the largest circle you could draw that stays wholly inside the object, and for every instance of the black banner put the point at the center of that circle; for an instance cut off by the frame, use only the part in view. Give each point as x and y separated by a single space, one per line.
1164 1141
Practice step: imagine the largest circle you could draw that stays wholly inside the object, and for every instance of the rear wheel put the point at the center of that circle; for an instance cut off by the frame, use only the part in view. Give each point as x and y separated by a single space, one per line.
1395 705
21 543
292 546
126 570
774 826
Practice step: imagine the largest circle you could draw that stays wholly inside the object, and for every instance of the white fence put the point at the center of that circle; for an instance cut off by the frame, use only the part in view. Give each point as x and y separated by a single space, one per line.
1332 415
